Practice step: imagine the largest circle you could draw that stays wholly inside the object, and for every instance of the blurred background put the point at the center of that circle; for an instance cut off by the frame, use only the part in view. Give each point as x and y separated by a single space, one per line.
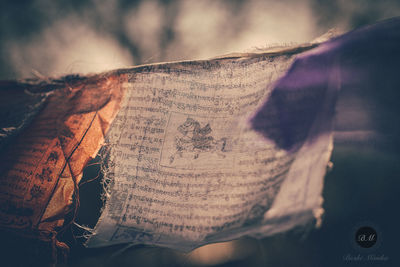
52 38
82 36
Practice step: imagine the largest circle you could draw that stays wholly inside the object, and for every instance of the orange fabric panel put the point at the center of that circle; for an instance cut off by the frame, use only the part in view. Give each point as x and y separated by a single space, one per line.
45 162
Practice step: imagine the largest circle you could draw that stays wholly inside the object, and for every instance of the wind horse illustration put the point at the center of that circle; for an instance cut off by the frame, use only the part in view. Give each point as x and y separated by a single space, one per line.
194 139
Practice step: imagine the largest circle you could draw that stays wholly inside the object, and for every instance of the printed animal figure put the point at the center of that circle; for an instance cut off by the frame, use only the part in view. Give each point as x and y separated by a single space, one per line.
196 139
